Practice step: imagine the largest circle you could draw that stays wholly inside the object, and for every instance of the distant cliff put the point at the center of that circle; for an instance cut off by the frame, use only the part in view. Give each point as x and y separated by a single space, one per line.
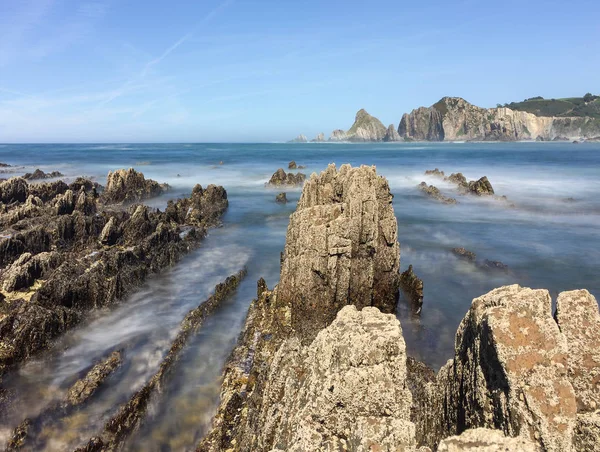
455 119
365 128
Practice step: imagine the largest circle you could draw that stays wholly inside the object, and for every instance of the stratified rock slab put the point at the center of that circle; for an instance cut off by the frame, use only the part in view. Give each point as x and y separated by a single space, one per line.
578 318
509 371
341 248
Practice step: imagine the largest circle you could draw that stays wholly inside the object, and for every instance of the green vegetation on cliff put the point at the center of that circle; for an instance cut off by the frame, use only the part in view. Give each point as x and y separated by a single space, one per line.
588 105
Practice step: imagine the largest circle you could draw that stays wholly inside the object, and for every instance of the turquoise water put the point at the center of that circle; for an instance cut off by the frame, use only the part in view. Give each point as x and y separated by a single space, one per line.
547 240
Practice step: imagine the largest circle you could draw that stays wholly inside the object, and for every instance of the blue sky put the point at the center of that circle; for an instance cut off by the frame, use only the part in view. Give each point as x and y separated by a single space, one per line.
267 70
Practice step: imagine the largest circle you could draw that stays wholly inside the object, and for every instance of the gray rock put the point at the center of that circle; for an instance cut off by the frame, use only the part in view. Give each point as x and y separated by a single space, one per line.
299 139
341 248
292 165
128 186
338 135
464 254
412 285
280 177
392 134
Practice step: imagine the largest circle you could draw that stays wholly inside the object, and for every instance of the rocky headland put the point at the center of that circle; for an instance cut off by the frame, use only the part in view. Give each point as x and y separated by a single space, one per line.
68 249
321 363
455 119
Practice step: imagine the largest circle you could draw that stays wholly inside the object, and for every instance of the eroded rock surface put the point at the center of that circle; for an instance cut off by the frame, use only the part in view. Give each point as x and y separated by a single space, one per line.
63 253
435 193
486 440
39 174
280 177
341 248
413 287
129 186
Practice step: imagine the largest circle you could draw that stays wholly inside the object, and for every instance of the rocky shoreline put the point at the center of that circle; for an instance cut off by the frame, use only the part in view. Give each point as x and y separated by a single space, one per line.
68 249
321 366
321 362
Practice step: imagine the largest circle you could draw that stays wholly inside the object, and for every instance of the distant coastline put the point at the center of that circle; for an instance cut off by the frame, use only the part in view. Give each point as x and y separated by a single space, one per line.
453 119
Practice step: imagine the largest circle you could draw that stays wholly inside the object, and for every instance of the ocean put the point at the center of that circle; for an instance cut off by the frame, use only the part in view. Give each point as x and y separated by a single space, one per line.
548 233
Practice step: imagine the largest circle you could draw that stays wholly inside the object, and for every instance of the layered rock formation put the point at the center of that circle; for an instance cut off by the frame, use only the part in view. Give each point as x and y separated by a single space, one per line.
39 174
129 186
312 373
454 119
341 249
63 253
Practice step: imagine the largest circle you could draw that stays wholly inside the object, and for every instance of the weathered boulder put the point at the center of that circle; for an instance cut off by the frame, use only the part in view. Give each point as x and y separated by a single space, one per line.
434 192
481 187
280 177
292 165
346 390
110 233
458 179
281 198
509 372
341 248
128 186
578 319
412 285
392 134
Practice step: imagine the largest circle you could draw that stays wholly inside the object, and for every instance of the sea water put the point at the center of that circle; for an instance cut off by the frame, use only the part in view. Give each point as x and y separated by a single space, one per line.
548 233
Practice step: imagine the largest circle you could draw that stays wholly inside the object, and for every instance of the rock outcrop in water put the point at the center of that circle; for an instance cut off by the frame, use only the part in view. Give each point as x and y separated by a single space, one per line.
38 174
67 253
433 192
299 139
310 372
454 119
391 134
412 286
320 138
365 128
280 177
341 249
129 186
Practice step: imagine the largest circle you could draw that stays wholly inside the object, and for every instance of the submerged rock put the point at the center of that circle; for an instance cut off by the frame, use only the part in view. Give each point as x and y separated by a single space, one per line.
493 265
280 177
83 389
413 287
281 198
435 193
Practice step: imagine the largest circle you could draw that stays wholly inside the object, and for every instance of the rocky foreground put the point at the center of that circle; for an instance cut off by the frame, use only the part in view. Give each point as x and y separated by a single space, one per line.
321 362
68 249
